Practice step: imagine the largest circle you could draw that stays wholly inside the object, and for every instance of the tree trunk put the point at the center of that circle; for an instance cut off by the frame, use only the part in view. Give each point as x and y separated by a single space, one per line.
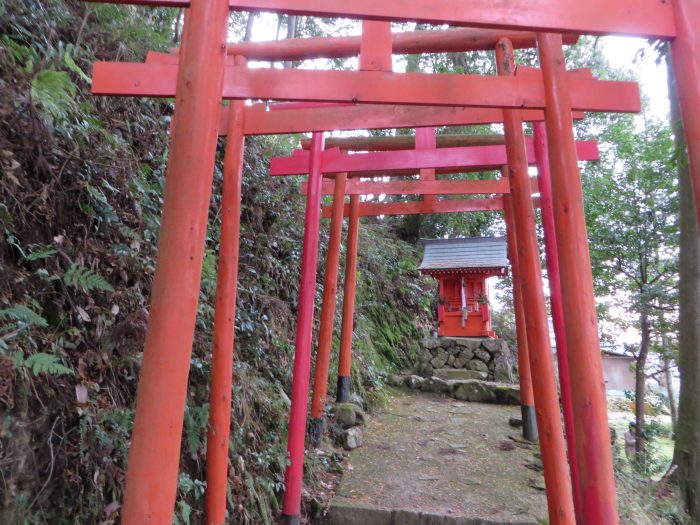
669 391
249 27
687 449
292 22
640 384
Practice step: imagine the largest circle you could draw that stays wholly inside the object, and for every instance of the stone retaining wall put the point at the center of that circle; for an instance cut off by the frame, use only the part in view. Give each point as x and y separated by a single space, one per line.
474 358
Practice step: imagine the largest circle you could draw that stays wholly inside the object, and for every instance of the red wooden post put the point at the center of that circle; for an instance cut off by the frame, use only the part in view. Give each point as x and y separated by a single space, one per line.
527 399
345 359
587 385
685 51
552 258
302 351
154 456
425 139
552 444
225 321
330 292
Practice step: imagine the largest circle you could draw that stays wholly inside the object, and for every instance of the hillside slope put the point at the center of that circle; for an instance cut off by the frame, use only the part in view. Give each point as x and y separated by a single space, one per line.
81 187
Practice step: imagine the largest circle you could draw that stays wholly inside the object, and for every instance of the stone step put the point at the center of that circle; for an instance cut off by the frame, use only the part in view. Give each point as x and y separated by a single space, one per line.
459 374
350 513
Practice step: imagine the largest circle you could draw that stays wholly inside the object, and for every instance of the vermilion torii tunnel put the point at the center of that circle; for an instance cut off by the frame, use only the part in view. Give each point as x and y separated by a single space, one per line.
204 74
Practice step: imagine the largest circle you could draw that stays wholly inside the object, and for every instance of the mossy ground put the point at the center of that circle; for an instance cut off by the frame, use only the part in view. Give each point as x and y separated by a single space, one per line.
435 455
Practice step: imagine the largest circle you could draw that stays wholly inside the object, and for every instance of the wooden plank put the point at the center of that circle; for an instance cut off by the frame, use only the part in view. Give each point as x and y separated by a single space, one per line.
368 209
388 163
351 117
418 187
371 87
645 18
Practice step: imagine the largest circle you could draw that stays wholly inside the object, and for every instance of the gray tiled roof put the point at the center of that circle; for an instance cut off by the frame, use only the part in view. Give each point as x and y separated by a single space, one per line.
469 252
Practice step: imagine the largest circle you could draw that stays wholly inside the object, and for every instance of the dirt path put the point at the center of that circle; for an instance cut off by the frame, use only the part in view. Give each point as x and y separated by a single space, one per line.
433 460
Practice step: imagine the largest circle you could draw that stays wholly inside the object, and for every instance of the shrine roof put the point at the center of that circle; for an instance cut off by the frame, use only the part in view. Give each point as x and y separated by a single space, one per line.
467 253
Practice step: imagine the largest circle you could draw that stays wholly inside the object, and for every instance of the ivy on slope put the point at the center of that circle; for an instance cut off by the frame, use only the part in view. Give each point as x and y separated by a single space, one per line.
81 188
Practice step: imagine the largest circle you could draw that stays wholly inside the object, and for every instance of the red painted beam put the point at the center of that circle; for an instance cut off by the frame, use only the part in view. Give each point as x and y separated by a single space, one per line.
351 117
468 158
399 142
375 209
418 187
647 18
371 87
407 43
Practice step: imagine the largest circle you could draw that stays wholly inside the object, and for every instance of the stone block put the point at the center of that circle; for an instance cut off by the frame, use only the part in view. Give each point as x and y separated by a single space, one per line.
482 354
352 438
439 360
478 365
437 385
476 392
414 382
454 374
432 342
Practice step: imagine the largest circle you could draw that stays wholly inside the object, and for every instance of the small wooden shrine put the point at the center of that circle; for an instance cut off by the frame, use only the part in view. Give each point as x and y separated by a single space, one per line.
461 267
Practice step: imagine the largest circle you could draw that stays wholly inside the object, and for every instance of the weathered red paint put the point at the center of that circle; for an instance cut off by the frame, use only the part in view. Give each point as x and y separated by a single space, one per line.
587 385
351 117
302 351
552 258
527 399
375 209
330 291
154 455
224 324
350 286
685 52
552 444
419 187
648 18
406 43
383 163
369 87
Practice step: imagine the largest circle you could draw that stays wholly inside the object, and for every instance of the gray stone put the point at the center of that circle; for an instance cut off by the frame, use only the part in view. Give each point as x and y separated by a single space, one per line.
439 360
460 362
450 360
478 365
476 392
414 382
432 342
435 384
454 374
396 379
507 394
494 345
346 414
502 371
469 343
483 355
448 342
356 399
356 513
424 356
426 370
352 438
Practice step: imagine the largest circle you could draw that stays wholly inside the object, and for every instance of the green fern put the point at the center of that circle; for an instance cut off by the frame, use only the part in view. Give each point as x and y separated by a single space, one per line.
85 279
55 91
41 363
24 315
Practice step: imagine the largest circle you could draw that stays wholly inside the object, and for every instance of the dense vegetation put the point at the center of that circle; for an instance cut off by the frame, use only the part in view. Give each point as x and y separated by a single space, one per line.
82 180
81 188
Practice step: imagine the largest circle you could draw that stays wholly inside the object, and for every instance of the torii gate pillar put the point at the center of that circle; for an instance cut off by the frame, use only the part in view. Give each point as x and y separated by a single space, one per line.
593 448
685 51
154 456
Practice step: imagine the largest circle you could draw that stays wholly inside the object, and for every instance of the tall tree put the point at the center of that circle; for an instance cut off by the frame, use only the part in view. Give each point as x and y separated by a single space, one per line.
687 450
631 201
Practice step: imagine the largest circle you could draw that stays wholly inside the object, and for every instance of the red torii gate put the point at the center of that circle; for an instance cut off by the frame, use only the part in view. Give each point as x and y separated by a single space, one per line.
199 89
357 164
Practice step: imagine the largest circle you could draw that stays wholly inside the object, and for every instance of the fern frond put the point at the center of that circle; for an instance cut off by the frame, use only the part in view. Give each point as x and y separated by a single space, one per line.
23 315
85 279
42 363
